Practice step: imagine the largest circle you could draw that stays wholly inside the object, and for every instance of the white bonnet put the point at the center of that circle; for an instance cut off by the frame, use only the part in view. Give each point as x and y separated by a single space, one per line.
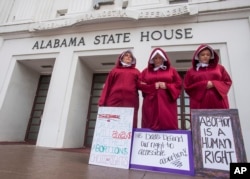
205 47
155 53
133 57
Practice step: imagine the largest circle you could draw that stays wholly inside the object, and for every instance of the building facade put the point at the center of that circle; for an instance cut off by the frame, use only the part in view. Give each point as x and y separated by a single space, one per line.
55 56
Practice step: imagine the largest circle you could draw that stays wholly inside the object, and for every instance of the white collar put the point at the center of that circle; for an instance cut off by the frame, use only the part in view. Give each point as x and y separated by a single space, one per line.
125 64
198 65
163 67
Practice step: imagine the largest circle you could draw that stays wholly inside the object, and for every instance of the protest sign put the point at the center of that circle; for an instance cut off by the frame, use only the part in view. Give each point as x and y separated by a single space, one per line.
218 141
163 151
111 144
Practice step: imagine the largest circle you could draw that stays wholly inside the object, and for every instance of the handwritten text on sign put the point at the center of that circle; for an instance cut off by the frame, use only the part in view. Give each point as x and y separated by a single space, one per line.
162 150
217 142
112 138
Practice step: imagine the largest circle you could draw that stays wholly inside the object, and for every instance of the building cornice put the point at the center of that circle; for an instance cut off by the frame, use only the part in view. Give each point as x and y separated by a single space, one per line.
112 15
191 13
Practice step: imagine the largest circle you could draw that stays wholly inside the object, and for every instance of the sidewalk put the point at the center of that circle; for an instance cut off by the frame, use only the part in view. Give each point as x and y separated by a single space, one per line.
22 161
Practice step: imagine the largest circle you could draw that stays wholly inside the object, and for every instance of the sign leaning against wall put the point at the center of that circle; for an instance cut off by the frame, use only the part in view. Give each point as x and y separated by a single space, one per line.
218 141
111 144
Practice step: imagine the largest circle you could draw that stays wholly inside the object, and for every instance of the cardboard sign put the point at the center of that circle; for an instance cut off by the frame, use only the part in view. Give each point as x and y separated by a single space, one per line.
111 144
163 151
218 141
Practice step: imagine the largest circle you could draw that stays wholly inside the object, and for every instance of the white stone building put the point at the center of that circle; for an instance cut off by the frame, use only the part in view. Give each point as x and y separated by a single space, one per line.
55 55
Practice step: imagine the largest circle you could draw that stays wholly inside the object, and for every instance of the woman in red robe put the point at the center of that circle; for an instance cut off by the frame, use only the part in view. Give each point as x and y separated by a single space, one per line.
207 83
160 86
121 86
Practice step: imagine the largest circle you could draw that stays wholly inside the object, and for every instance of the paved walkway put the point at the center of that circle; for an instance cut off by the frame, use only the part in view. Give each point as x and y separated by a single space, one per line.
22 161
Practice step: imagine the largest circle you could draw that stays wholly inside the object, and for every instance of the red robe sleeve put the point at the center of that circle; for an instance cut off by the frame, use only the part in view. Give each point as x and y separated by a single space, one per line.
197 89
144 87
222 86
194 90
174 88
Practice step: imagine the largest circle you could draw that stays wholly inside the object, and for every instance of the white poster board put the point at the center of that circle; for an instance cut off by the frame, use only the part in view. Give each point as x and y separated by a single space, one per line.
218 148
164 151
111 146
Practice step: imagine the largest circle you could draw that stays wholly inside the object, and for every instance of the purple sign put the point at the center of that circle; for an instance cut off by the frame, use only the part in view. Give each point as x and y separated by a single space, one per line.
164 151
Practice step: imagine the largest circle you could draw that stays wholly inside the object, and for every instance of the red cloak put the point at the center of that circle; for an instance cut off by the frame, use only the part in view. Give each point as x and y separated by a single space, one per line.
195 83
159 109
121 87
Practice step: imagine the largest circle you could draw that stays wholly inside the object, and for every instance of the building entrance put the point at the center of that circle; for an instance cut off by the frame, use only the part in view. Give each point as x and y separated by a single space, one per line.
37 109
97 85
